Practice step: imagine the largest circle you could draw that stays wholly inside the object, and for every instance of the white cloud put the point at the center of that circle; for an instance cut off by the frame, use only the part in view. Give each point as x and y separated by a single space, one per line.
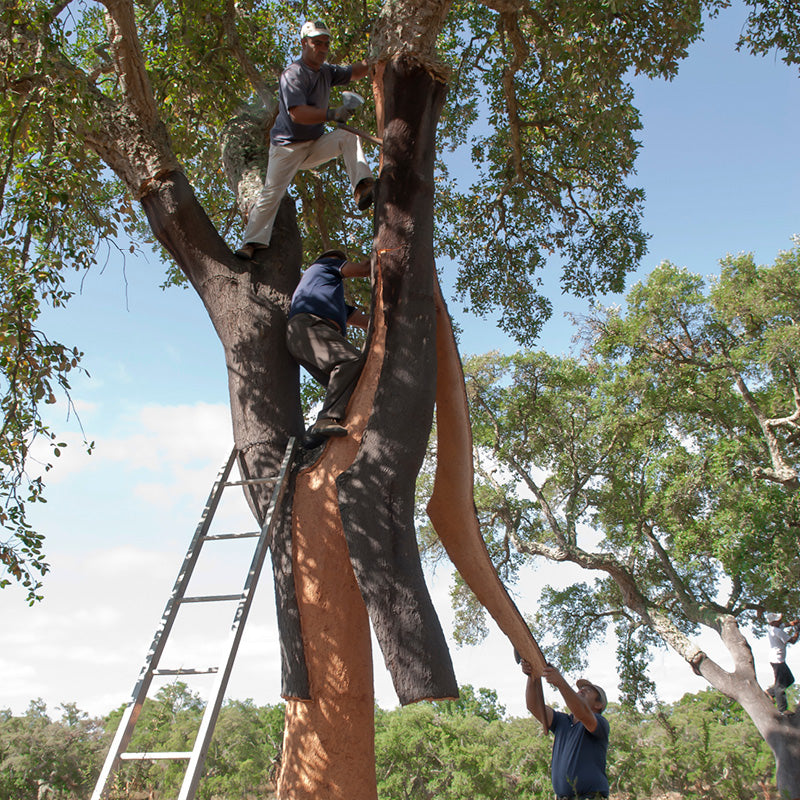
172 434
85 406
86 641
182 446
199 431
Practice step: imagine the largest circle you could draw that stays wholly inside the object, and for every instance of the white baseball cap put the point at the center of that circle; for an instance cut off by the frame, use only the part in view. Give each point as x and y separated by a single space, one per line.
314 28
774 616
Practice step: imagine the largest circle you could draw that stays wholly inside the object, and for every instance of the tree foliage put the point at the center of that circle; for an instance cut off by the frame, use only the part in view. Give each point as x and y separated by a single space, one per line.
773 25
702 746
99 99
35 750
663 459
242 757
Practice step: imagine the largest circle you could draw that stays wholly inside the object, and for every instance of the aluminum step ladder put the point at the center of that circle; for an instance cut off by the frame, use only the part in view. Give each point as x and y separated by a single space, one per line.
196 757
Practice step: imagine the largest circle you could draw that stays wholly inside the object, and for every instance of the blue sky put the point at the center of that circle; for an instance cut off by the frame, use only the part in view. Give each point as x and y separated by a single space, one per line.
720 170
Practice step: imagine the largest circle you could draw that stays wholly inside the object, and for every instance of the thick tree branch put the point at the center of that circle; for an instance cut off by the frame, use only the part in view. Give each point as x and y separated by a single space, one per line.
562 537
660 621
130 138
54 11
129 62
675 579
521 51
781 471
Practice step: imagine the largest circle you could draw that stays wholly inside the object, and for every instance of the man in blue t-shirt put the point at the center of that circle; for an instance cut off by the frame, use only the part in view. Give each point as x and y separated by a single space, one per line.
316 336
298 139
580 744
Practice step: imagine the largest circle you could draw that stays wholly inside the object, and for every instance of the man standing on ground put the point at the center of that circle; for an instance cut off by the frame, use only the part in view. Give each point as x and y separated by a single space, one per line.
580 745
778 639
298 140
316 336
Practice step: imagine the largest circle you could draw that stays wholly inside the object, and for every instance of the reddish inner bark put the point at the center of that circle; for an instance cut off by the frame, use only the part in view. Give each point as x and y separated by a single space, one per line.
329 742
452 509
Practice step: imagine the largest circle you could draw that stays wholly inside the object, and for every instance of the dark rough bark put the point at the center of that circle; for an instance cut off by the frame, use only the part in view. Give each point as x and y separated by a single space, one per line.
248 303
376 494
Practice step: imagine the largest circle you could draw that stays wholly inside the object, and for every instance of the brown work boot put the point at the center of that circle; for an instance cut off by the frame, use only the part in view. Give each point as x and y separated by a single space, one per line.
364 193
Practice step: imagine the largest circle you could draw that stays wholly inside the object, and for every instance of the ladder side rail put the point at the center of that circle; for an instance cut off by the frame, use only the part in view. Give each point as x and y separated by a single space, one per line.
204 734
186 570
251 483
131 714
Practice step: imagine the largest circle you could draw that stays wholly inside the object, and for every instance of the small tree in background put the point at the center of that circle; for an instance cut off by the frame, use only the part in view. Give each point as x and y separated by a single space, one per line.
36 751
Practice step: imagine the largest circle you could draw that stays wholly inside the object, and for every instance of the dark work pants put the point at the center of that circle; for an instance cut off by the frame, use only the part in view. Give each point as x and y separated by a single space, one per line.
783 680
318 345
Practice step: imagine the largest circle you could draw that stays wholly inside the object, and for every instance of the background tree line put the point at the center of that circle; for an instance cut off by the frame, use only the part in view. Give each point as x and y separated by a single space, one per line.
702 746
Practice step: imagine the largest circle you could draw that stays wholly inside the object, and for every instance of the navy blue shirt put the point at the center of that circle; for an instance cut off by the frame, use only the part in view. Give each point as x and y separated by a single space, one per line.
321 292
579 756
302 86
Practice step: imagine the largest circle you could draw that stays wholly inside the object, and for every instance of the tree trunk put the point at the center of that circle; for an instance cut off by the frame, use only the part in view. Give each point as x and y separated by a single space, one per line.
349 552
376 493
358 559
780 731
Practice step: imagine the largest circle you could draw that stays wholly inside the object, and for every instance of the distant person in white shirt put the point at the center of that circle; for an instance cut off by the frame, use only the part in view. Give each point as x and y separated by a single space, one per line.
778 639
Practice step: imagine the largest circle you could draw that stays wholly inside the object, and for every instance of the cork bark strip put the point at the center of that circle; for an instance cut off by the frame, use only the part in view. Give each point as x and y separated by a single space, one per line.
452 508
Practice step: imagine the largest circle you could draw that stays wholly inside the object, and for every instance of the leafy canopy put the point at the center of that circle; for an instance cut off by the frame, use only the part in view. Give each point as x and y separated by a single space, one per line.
539 103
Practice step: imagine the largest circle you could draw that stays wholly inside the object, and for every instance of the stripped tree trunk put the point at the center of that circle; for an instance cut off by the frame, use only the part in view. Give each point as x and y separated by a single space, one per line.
360 556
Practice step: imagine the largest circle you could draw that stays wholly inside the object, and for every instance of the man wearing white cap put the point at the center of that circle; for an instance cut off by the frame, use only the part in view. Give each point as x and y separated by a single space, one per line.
778 639
580 738
298 139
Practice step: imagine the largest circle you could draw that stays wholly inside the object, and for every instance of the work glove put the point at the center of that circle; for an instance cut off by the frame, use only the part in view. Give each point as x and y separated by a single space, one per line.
339 114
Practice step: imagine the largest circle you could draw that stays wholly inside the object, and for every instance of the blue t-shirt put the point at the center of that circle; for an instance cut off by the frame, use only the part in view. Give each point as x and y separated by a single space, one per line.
579 756
321 292
302 86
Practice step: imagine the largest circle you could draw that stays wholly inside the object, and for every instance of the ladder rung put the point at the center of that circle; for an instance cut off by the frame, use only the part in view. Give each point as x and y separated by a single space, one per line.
218 536
149 756
187 671
210 598
252 481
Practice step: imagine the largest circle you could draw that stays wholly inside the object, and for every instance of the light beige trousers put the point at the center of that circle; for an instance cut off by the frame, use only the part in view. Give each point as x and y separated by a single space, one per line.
284 163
